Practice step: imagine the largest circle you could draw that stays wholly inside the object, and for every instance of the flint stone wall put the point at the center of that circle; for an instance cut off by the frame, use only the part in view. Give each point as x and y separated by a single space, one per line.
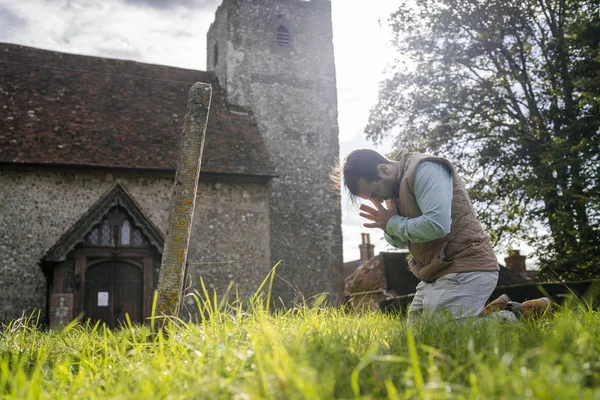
37 205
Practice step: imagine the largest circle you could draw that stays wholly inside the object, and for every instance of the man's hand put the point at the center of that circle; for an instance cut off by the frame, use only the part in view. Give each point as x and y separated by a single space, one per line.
379 216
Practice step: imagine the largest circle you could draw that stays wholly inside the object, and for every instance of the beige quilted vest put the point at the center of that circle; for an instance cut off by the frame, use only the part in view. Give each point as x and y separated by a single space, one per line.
466 248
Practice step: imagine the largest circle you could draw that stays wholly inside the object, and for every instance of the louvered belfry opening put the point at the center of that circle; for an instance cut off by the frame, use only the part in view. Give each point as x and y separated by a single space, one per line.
283 36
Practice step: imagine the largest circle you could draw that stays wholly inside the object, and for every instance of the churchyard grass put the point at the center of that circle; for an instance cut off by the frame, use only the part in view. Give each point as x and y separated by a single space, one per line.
245 351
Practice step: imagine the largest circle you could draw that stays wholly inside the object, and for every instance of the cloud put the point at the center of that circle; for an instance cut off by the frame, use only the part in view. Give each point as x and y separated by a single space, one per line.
170 4
177 34
10 23
124 54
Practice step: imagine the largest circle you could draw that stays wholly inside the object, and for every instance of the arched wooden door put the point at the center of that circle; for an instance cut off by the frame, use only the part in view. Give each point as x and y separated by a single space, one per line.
112 290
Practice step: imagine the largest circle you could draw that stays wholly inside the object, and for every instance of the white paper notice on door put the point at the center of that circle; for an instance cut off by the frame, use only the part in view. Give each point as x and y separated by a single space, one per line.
102 299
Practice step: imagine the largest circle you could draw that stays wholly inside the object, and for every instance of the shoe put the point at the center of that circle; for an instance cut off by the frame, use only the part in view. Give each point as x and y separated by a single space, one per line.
496 305
514 307
536 307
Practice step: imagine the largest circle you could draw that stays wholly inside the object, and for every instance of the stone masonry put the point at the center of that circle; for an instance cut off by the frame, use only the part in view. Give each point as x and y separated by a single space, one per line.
288 83
231 226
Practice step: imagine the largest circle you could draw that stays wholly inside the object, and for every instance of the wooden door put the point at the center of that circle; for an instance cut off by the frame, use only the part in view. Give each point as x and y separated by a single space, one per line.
112 290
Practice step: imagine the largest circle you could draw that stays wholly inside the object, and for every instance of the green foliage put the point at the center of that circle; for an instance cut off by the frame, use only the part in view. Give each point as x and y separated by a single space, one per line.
242 351
510 91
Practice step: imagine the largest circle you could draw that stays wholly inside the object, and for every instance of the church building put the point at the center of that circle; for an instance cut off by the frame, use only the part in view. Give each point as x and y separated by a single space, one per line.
88 150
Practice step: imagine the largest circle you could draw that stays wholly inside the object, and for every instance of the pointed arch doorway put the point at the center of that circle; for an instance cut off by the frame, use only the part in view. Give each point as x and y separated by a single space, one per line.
106 266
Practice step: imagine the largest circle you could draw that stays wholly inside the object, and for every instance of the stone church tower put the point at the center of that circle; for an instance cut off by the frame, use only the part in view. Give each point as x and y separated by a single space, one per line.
274 60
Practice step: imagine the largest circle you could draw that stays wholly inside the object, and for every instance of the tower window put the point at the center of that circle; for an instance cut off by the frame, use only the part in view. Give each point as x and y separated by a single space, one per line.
216 55
283 36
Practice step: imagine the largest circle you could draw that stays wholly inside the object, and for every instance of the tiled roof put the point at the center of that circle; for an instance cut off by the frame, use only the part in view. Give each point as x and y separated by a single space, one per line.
384 271
350 266
58 108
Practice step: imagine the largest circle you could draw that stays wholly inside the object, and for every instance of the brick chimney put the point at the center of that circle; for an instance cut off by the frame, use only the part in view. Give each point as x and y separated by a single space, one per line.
367 250
515 261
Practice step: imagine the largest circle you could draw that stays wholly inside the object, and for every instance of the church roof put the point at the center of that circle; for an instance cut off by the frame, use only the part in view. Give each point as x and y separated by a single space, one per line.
67 109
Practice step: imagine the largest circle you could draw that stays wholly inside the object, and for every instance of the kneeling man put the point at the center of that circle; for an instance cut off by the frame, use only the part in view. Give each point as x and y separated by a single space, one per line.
428 209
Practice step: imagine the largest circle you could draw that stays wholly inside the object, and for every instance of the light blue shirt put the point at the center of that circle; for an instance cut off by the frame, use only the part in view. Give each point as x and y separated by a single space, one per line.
433 191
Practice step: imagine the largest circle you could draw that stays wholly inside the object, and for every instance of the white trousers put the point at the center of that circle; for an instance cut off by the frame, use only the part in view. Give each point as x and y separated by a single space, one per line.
462 294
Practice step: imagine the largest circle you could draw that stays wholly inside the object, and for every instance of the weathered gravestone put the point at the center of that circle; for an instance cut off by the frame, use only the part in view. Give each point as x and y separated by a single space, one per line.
172 269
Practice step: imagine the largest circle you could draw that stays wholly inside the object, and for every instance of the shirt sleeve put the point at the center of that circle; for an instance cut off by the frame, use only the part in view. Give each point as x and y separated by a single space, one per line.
433 191
394 241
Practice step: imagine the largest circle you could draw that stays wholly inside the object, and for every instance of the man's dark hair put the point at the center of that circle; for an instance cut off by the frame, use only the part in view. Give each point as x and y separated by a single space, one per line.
362 163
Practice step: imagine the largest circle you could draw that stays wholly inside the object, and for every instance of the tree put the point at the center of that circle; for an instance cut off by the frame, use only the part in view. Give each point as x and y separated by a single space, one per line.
510 91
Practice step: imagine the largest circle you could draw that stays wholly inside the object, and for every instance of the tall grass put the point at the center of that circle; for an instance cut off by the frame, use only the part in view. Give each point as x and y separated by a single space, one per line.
244 350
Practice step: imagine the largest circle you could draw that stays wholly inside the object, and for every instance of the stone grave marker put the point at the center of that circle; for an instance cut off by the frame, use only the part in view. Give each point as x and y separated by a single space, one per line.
172 268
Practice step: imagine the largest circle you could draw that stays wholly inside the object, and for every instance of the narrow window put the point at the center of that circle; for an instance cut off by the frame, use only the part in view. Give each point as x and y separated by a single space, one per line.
125 233
105 237
93 236
138 239
283 36
216 55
